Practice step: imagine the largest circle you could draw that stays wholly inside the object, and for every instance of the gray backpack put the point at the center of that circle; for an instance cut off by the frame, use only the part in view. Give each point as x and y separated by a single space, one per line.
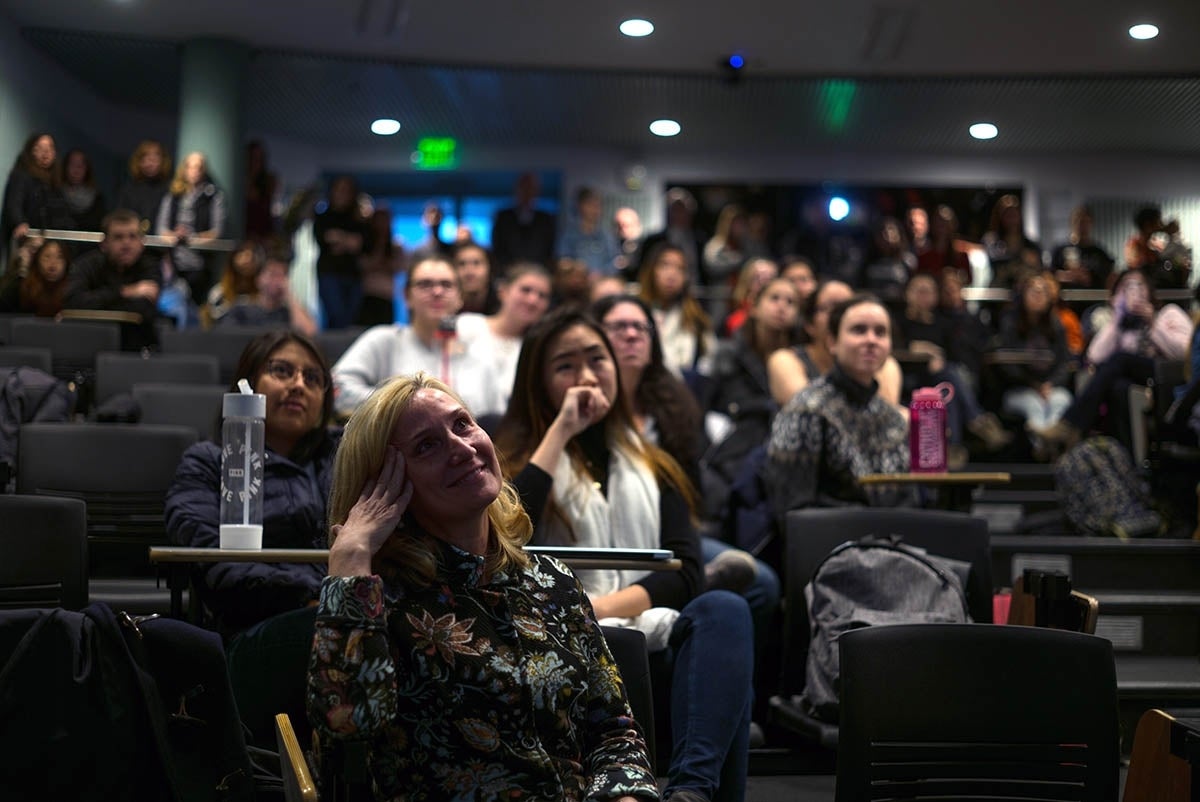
870 582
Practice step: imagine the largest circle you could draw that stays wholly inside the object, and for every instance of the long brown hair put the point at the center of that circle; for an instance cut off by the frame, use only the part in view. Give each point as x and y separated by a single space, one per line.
530 412
42 297
695 319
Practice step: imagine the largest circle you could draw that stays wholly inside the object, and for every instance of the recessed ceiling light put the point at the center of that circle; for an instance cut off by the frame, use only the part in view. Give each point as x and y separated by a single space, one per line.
665 128
385 126
637 27
1143 30
983 130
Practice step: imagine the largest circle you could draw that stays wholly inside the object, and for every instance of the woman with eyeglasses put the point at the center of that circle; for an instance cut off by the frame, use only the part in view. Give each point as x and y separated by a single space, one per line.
265 611
433 341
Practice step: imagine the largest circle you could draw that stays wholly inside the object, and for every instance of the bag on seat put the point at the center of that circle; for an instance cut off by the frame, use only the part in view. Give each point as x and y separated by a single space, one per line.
1101 492
870 582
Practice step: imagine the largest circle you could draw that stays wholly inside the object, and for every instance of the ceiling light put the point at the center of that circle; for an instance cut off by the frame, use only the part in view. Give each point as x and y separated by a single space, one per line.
983 130
839 208
1143 30
637 27
665 128
385 126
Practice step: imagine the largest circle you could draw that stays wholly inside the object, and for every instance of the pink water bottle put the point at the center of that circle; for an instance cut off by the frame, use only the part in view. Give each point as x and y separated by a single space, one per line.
927 428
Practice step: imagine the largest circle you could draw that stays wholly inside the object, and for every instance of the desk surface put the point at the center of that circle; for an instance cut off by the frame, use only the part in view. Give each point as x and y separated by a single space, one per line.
955 478
187 554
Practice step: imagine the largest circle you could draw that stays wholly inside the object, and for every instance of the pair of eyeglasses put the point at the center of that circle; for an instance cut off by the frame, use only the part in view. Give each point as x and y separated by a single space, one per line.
429 285
284 371
616 327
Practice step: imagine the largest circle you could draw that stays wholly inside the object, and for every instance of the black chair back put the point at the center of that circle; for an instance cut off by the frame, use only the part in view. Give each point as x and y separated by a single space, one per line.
118 372
44 542
628 647
12 356
970 711
194 405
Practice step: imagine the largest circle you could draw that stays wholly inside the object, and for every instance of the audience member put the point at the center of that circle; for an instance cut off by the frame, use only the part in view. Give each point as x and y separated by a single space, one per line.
1081 263
724 253
681 232
237 282
1141 249
838 428
149 181
628 228
120 277
921 330
341 236
265 611
1036 386
917 227
571 284
1123 354
524 296
757 244
800 271
681 325
585 239
261 188
524 233
379 263
1012 254
1072 327
192 213
432 246
968 335
435 628
272 303
889 265
943 250
85 204
606 286
475 278
32 196
430 342
791 369
753 277
43 287
588 478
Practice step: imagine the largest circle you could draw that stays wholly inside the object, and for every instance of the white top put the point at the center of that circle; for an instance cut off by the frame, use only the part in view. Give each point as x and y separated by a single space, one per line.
383 352
679 344
499 352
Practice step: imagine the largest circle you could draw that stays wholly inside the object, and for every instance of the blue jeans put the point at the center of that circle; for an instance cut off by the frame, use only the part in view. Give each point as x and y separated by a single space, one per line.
763 596
710 667
268 669
340 299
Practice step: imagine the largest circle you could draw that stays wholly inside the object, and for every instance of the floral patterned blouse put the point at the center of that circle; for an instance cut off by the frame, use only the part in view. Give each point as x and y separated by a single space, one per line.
473 691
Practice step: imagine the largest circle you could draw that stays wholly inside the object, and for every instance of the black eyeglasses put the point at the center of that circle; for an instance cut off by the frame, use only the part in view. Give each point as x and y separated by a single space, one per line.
284 371
616 327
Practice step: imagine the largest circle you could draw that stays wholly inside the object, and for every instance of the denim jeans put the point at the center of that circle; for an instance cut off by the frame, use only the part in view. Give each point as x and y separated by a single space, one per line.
340 298
268 668
710 663
763 596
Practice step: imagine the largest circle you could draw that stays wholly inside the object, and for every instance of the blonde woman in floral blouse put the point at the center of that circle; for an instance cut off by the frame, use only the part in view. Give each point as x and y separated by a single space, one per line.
472 669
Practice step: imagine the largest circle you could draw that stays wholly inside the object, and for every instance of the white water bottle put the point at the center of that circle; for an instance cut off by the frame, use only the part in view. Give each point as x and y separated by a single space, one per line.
242 455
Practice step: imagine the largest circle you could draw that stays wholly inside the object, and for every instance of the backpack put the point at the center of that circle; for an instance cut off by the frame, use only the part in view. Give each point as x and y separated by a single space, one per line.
28 395
870 582
1101 492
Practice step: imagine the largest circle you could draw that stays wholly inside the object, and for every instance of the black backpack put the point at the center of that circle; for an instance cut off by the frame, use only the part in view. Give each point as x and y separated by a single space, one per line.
870 582
1102 494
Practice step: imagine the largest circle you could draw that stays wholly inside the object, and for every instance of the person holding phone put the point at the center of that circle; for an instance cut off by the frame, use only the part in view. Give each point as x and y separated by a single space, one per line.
430 342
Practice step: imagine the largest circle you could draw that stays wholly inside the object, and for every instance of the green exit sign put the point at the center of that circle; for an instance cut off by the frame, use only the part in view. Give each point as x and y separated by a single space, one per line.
436 153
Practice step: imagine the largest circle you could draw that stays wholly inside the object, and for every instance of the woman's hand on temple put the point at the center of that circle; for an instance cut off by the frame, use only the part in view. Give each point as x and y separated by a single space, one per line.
372 519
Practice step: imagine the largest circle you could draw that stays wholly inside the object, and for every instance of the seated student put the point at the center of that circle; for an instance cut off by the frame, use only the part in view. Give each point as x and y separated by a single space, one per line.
118 276
923 331
1035 390
524 296
588 478
684 328
1122 353
471 669
838 428
237 282
475 277
789 370
272 302
430 342
42 289
265 611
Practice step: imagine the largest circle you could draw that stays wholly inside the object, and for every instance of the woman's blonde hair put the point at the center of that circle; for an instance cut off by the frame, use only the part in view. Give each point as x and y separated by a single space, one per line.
410 554
179 183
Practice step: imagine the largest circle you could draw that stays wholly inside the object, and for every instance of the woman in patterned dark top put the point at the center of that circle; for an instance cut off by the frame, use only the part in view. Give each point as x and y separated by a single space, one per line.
838 428
471 669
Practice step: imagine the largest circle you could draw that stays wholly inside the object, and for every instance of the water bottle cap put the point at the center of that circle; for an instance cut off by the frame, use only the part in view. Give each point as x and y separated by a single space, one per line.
240 405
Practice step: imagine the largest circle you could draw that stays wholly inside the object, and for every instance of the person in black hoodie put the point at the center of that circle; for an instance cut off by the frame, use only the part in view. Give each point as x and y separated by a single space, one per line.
149 180
32 197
